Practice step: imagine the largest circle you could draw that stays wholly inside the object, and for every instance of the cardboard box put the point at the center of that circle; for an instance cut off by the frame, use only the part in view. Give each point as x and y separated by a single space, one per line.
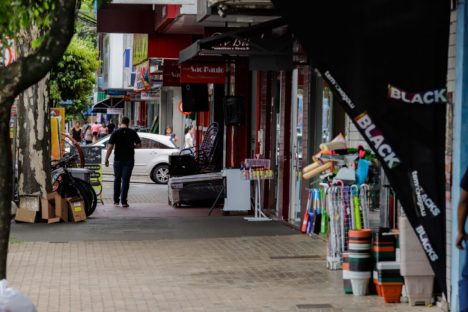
30 201
25 215
29 205
76 209
54 208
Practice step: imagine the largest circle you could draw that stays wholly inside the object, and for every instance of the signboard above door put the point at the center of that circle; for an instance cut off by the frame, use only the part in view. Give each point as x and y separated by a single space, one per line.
202 73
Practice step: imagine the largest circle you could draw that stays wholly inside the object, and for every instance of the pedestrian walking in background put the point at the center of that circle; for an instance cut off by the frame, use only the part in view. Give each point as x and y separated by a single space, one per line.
103 131
189 137
95 128
76 133
125 141
88 134
111 127
462 238
171 134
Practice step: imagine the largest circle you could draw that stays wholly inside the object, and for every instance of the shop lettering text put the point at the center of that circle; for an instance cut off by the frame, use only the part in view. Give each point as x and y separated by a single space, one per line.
422 199
207 69
426 244
340 91
429 97
234 45
375 136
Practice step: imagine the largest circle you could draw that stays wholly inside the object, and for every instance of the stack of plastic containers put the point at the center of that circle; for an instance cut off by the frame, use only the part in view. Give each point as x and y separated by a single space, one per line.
390 282
346 281
386 275
415 267
383 246
360 261
383 249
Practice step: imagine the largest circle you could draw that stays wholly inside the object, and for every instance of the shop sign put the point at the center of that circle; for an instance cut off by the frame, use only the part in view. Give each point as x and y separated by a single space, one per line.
13 110
234 44
156 70
150 95
8 56
202 73
171 73
140 48
141 78
114 111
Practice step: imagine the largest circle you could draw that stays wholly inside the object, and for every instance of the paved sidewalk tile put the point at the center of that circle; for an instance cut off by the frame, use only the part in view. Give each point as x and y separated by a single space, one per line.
269 273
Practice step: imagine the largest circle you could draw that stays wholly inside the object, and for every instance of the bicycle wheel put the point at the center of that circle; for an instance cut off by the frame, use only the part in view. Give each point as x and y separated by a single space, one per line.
71 188
91 195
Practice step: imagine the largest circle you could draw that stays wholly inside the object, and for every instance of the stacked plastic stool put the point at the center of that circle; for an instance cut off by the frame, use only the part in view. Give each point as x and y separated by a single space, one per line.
360 261
348 289
389 281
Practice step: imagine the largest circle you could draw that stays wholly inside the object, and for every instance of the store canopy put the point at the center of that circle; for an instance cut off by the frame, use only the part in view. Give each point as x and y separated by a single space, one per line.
102 106
386 62
260 40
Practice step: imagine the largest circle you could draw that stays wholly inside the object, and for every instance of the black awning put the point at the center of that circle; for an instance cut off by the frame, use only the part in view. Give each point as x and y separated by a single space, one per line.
248 41
102 106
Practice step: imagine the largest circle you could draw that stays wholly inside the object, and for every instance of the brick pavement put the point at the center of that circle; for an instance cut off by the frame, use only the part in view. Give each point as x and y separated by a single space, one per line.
214 275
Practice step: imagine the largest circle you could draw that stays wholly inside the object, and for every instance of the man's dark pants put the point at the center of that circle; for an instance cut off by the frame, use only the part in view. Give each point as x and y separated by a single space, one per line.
122 172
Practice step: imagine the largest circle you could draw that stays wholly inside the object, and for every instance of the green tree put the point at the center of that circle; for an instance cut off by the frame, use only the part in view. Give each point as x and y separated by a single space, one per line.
86 23
54 20
73 77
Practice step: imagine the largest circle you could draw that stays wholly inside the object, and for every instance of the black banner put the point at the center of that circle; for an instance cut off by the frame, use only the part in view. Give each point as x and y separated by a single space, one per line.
386 61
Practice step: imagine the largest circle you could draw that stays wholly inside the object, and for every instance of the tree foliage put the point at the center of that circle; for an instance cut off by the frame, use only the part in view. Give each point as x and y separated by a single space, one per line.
55 20
19 15
74 76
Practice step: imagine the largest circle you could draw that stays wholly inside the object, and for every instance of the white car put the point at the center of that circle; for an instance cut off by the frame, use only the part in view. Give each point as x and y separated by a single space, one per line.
152 159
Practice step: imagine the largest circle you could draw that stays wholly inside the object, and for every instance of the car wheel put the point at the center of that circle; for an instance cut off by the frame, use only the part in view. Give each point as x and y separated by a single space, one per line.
160 174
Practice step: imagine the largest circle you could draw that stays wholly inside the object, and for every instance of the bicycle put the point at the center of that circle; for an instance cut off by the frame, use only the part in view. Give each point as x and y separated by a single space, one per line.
68 186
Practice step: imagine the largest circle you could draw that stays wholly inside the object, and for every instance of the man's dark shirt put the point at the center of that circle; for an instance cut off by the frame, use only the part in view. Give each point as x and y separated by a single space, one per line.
111 128
464 182
124 140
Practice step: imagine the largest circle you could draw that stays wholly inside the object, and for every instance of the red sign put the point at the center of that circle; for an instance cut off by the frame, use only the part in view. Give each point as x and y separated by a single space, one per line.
202 73
171 73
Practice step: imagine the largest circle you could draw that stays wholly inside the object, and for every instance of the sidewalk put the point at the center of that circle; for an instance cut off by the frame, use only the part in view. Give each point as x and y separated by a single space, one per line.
255 273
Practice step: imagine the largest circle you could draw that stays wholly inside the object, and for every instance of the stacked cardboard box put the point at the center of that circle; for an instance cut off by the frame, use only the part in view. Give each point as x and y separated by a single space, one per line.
52 208
28 208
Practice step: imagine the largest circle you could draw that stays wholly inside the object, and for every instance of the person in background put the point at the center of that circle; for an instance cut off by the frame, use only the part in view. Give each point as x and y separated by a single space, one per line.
95 128
189 134
125 141
462 238
171 134
111 126
76 133
88 134
103 131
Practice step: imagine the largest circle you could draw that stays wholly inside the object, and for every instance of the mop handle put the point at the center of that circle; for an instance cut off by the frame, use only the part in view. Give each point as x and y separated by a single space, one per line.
357 213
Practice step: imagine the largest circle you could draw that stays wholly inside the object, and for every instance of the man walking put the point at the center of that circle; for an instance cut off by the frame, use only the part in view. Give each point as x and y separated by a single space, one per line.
111 127
125 141
462 237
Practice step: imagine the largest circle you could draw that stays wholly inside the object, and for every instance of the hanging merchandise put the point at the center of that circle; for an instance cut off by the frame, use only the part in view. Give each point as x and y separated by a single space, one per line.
305 220
356 206
364 201
317 212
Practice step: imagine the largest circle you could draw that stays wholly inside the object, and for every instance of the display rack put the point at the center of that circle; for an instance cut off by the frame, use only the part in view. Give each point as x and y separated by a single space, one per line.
257 170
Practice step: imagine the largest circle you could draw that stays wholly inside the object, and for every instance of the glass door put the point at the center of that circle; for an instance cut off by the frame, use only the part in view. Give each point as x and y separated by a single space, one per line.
296 142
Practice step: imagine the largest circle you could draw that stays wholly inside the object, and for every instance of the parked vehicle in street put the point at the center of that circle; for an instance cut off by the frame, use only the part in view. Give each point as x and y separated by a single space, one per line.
152 159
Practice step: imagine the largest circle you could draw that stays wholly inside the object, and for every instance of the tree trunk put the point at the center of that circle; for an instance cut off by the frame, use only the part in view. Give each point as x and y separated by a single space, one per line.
16 78
34 140
5 186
